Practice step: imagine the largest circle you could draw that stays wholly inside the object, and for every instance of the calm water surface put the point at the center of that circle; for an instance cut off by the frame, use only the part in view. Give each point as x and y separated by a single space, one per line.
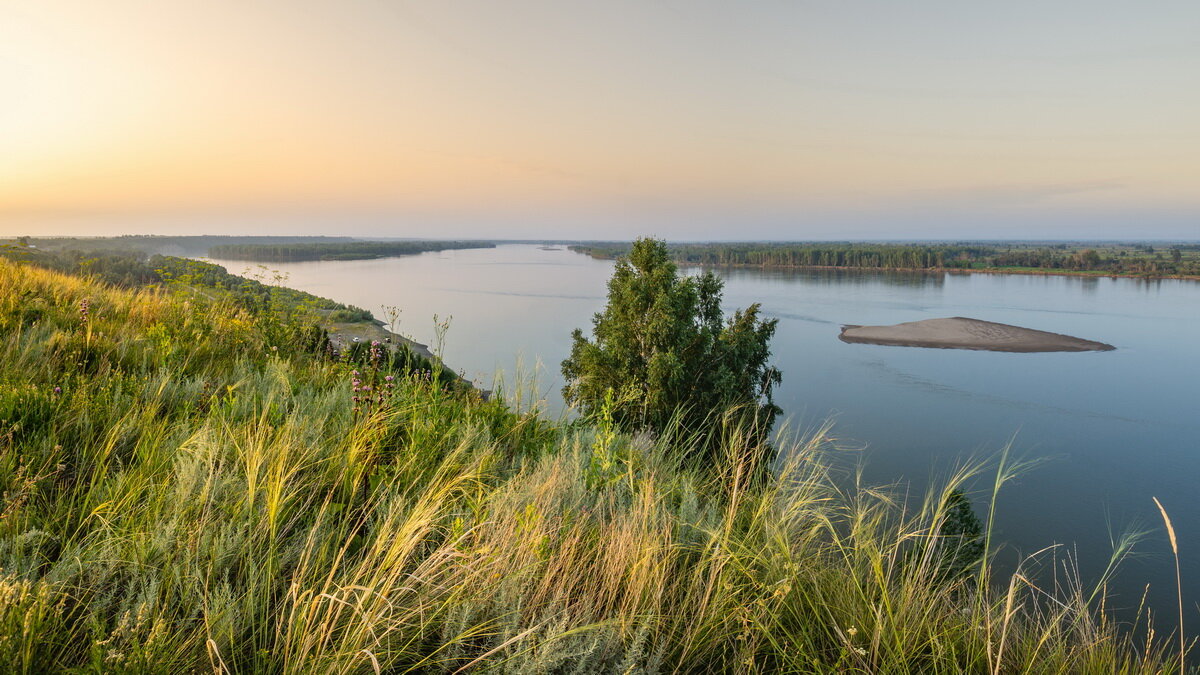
1114 428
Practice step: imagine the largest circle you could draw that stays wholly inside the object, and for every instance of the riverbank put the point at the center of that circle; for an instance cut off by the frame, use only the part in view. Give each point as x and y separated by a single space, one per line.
344 334
953 270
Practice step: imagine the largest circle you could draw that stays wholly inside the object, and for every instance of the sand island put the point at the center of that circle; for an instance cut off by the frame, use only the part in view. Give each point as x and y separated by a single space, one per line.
962 333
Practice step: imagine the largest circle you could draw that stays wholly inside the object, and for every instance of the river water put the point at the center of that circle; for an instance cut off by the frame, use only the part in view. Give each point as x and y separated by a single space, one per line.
1112 429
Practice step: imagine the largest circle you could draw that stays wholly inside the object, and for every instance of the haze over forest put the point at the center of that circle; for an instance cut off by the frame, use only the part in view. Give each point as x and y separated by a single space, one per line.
699 120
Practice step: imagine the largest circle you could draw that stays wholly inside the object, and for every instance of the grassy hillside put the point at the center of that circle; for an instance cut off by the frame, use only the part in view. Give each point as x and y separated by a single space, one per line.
186 488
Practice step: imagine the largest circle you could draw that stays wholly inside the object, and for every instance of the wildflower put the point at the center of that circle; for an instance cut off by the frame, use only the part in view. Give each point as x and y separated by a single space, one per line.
58 390
388 378
851 631
860 651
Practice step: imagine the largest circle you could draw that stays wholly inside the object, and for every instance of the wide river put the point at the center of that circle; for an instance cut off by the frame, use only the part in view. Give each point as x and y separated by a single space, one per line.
1113 428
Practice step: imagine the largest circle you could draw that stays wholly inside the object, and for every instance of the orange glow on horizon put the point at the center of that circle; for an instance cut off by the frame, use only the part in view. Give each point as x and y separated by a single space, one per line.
187 106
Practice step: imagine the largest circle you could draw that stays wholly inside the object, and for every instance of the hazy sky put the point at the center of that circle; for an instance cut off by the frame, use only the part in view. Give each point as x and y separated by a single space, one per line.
536 118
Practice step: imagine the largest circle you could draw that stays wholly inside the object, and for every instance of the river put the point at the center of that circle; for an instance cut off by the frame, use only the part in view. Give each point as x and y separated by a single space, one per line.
1110 429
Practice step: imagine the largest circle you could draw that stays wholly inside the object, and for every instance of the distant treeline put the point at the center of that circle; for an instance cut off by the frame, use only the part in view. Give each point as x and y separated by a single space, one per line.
1121 259
196 245
865 256
350 250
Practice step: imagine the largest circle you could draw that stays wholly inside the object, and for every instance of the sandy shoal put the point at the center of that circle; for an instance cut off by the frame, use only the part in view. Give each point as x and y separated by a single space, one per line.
963 333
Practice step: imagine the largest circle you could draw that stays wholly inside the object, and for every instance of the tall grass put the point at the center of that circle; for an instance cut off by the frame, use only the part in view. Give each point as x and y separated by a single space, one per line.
189 499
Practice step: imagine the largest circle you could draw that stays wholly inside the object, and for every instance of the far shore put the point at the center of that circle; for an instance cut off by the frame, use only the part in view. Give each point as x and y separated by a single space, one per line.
961 270
948 270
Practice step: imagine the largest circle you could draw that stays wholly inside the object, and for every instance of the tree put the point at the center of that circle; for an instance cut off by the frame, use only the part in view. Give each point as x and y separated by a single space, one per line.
662 348
1089 259
960 535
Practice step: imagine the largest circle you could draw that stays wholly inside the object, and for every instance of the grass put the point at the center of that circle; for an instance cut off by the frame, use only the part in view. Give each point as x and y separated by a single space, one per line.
183 494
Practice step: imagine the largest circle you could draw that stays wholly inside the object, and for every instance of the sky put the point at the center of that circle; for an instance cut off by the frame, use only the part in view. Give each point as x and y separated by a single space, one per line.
771 119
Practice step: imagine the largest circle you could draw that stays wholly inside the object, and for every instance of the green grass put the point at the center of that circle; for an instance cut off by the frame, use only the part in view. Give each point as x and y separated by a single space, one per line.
198 497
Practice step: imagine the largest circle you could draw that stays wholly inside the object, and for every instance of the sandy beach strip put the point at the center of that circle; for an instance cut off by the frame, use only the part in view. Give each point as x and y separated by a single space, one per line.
345 334
963 333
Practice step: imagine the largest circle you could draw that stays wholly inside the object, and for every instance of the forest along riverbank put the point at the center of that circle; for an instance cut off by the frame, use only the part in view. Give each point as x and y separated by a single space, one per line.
1117 260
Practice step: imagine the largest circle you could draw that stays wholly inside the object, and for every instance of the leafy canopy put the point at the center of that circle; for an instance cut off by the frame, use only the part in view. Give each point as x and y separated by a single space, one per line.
663 347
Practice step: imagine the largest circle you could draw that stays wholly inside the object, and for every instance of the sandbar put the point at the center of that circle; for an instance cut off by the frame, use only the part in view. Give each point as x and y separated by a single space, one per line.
962 333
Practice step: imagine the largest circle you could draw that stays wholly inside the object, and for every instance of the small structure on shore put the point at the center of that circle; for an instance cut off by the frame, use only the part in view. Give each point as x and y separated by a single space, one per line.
963 333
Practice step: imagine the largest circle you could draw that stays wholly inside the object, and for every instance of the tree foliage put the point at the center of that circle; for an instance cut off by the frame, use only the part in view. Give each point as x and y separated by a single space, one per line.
960 536
663 348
